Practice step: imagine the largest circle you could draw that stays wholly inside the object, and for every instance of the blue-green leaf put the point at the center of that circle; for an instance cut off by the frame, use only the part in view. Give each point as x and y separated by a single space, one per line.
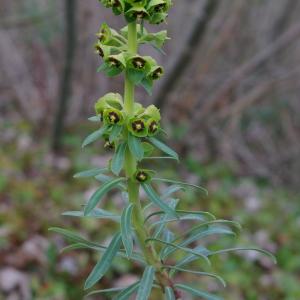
94 119
115 132
163 147
72 236
178 247
94 136
126 229
244 249
97 213
104 263
171 190
156 199
127 292
180 183
220 279
106 291
196 292
192 257
90 173
99 194
146 284
169 294
135 147
118 159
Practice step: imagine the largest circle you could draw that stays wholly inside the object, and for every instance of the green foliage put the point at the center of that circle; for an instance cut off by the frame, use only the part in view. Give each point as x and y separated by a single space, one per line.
128 129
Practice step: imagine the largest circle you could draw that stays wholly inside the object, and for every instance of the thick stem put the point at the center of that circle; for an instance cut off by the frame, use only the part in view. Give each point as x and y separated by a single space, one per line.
130 167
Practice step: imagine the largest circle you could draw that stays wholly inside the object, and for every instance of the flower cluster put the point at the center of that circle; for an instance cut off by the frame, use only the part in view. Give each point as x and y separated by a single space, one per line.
144 123
154 11
141 70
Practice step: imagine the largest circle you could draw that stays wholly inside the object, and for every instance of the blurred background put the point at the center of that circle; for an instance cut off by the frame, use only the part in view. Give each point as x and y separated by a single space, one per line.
230 101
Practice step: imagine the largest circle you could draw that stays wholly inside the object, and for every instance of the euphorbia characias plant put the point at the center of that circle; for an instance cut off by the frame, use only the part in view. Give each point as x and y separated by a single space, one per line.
146 231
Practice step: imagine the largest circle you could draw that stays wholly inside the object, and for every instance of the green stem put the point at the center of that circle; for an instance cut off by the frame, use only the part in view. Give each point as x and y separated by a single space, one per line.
130 167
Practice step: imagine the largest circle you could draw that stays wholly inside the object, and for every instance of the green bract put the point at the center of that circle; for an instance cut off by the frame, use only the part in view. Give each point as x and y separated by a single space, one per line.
142 232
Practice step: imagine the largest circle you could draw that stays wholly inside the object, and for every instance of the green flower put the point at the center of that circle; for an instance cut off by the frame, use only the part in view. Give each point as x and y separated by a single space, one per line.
153 127
158 18
113 116
137 2
106 3
152 112
138 127
156 73
142 175
136 13
159 6
104 34
110 100
118 6
102 50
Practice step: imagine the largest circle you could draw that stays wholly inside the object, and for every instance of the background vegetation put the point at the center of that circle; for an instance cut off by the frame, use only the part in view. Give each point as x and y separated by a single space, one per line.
230 101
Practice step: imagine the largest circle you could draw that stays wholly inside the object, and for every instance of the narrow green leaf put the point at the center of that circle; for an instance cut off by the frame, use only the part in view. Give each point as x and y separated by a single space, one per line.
104 263
160 228
126 229
115 132
127 292
220 279
95 213
121 253
177 247
72 236
90 173
196 292
164 148
105 178
191 257
94 119
169 294
99 194
171 190
118 159
245 249
94 136
135 147
146 284
181 183
156 199
106 291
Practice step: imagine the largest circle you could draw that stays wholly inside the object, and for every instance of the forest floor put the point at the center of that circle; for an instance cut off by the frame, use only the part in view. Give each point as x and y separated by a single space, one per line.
37 186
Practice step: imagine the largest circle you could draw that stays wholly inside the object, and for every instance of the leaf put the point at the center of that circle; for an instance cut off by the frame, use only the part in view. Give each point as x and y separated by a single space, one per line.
178 247
106 291
191 257
95 213
118 159
135 76
72 236
135 147
155 199
127 292
99 194
196 292
164 148
160 228
147 84
180 183
90 173
115 132
146 284
245 249
105 262
169 294
126 229
121 253
94 119
220 279
171 190
94 136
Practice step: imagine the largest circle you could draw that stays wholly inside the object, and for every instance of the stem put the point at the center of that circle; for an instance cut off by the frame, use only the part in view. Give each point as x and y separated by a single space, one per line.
130 167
